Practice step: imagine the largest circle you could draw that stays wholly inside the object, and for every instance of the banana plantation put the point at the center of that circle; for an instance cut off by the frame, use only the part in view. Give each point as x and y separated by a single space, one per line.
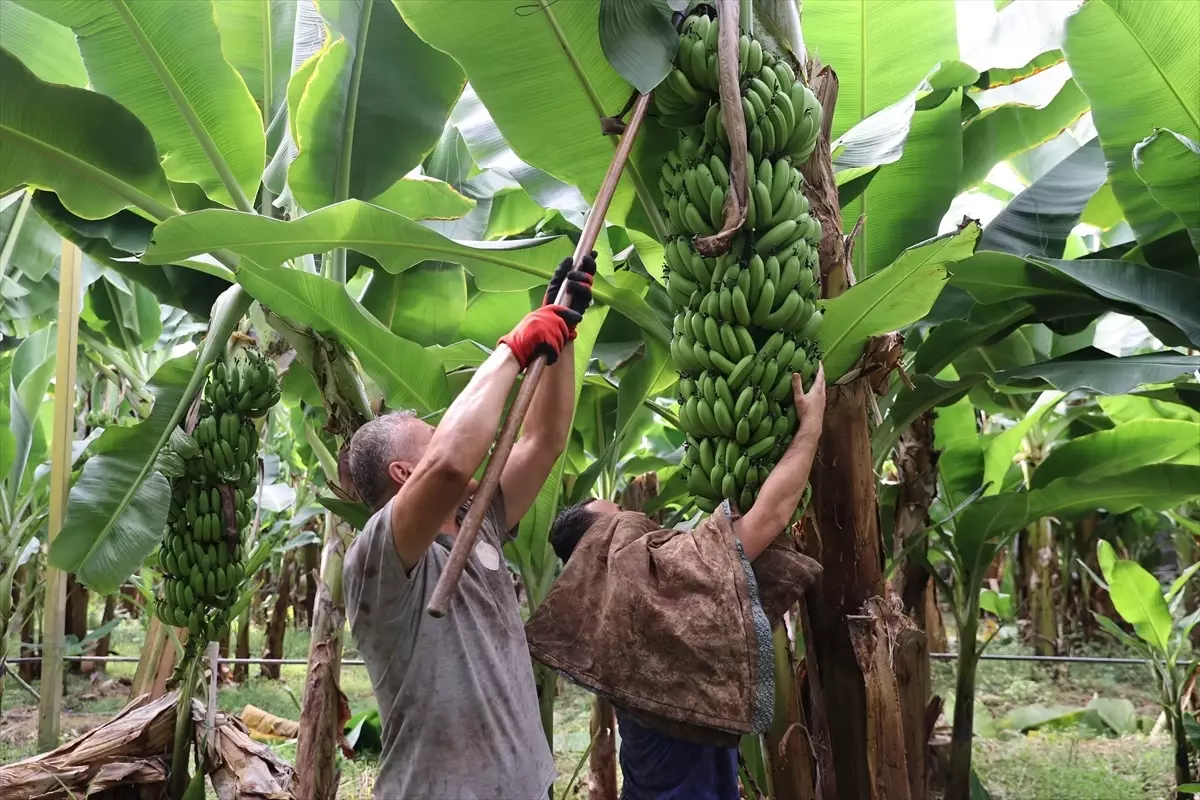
233 233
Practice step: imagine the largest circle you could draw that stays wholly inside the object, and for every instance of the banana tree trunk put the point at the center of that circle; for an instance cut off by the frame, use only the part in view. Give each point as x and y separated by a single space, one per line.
916 460
1043 557
277 627
312 565
27 578
962 736
1183 763
241 671
602 761
788 747
320 712
866 731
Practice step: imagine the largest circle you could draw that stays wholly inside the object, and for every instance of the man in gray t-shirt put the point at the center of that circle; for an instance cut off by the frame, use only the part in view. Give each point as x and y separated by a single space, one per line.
456 695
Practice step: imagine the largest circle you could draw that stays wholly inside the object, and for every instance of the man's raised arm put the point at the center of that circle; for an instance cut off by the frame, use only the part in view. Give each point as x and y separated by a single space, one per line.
437 484
548 424
784 487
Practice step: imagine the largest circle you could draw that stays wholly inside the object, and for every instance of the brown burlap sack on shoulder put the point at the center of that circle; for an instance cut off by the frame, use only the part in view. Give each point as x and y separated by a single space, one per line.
674 627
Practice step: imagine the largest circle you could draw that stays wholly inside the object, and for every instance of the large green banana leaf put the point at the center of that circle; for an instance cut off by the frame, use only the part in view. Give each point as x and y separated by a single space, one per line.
986 524
1136 62
1059 288
396 242
542 74
425 304
639 40
1038 220
1086 368
256 38
29 376
371 106
117 509
85 147
163 62
881 50
892 298
1134 444
1169 164
46 47
115 243
1003 131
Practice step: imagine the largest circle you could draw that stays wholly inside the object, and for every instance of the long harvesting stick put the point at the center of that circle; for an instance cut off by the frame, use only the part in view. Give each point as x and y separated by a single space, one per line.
447 583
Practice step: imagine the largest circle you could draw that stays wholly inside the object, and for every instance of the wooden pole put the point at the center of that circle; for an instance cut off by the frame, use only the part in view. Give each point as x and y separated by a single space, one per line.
447 583
53 621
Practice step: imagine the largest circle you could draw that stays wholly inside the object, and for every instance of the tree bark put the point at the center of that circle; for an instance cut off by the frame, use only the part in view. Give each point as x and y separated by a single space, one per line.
916 459
321 719
602 762
312 566
277 627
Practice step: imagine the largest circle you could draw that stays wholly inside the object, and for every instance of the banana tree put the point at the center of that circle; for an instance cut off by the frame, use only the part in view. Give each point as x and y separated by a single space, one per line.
1161 635
986 500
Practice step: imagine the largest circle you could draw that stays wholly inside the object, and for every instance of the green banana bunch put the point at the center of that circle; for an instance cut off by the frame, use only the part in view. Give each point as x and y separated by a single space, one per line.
746 320
201 554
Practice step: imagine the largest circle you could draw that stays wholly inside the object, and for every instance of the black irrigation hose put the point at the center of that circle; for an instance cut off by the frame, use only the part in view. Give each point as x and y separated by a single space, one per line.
359 663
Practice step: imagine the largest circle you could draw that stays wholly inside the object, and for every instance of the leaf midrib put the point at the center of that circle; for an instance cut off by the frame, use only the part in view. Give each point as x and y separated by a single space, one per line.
1153 62
119 187
184 106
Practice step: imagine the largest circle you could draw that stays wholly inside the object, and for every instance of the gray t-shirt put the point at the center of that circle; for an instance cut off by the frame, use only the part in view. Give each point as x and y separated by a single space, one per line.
456 695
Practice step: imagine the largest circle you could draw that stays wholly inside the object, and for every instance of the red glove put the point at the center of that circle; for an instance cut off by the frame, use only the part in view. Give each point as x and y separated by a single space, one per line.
544 331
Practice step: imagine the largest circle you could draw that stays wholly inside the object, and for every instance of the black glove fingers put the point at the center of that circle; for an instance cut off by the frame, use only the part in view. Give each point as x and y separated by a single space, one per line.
569 316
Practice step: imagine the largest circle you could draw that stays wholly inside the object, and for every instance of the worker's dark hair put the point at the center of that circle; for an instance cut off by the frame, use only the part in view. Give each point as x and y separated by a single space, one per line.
375 446
569 528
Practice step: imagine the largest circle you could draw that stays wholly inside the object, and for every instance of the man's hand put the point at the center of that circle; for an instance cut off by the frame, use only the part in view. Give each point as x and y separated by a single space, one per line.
579 283
544 331
810 405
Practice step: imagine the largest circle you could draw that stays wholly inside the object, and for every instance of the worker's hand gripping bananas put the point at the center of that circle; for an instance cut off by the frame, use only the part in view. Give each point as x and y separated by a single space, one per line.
747 320
201 554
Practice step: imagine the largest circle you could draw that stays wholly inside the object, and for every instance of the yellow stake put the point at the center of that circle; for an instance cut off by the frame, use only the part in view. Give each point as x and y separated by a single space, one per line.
50 709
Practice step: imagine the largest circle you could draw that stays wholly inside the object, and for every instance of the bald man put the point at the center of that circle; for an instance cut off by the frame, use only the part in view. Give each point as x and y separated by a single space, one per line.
456 695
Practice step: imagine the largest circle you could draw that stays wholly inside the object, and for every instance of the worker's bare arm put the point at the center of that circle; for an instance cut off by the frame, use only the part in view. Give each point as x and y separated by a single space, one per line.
438 483
544 438
548 424
784 487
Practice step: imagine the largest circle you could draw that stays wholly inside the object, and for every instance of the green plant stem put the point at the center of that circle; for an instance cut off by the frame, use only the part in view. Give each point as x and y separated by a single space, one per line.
963 731
14 232
640 187
183 729
341 184
185 109
547 683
